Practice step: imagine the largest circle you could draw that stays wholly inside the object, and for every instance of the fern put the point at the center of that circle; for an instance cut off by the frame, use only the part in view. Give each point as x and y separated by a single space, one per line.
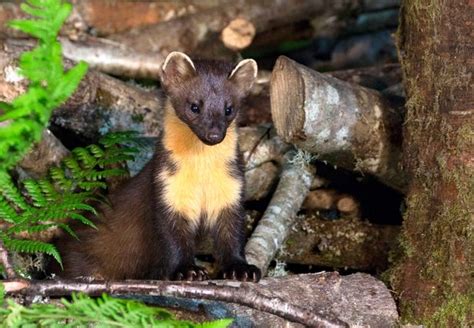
22 121
84 311
45 204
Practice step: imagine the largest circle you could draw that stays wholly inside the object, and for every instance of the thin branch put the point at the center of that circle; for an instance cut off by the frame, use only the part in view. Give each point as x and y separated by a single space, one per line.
275 225
6 262
234 292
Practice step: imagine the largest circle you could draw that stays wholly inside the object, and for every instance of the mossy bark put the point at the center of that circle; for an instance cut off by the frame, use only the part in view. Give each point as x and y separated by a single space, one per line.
436 269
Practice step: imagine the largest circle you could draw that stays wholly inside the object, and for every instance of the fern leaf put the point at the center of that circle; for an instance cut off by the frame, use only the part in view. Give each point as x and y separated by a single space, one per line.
59 177
82 219
69 83
29 228
88 161
96 151
8 213
10 191
34 190
32 246
48 189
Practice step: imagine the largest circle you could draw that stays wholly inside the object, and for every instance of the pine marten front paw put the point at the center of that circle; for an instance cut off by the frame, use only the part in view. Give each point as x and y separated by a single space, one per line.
242 272
191 273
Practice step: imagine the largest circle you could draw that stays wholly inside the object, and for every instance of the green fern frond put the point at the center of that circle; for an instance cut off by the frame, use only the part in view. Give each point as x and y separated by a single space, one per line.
38 205
11 193
105 311
32 246
7 212
34 190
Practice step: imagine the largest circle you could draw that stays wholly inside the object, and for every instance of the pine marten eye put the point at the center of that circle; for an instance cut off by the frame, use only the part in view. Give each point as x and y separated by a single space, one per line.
228 110
195 108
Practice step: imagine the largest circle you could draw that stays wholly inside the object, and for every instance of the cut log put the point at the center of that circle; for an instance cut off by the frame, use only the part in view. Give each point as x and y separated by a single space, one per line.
347 125
347 205
274 226
320 199
325 199
238 34
48 152
193 33
108 17
347 243
99 105
113 58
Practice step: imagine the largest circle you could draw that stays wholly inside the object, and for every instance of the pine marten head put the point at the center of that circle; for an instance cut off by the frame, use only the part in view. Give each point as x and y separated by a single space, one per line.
206 95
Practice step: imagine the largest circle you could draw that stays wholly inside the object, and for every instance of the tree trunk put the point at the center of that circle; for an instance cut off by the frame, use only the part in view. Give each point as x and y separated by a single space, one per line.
434 277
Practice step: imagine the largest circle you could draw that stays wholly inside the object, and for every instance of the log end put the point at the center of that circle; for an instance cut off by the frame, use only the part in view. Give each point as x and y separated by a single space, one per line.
287 99
238 34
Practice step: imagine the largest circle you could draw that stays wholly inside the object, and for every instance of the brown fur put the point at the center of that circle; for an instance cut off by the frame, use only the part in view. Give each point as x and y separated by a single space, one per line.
192 185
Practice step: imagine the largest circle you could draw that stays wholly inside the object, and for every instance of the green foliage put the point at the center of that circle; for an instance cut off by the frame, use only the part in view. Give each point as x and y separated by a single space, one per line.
84 311
66 193
22 121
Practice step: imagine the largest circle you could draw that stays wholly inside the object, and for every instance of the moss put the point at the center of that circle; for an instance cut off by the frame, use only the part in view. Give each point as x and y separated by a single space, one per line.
433 273
457 311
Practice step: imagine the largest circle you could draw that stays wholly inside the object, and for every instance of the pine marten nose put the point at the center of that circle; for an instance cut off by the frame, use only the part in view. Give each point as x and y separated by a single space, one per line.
214 136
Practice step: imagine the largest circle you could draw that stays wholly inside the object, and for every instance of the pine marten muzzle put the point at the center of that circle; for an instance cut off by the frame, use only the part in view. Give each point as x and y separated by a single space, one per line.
193 185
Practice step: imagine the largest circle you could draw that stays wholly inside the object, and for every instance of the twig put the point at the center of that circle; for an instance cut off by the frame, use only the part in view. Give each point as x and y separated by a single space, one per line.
5 260
234 292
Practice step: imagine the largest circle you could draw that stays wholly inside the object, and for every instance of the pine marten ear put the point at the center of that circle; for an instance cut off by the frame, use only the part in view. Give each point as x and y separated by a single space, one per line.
244 74
176 69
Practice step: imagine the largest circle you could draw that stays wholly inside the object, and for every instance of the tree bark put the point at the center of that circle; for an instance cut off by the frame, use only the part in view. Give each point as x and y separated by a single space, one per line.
433 279
347 125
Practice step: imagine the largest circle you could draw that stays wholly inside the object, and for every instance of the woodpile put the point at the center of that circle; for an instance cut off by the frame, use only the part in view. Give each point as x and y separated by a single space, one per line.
320 106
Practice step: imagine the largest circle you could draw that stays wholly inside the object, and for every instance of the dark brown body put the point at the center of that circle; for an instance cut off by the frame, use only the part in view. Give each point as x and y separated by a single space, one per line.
192 186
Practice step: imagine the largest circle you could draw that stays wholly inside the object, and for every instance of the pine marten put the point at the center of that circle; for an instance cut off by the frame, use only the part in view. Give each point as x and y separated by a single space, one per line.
192 185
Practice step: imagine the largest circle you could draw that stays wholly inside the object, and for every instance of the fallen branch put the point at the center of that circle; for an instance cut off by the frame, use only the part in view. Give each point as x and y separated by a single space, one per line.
234 292
347 125
275 224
